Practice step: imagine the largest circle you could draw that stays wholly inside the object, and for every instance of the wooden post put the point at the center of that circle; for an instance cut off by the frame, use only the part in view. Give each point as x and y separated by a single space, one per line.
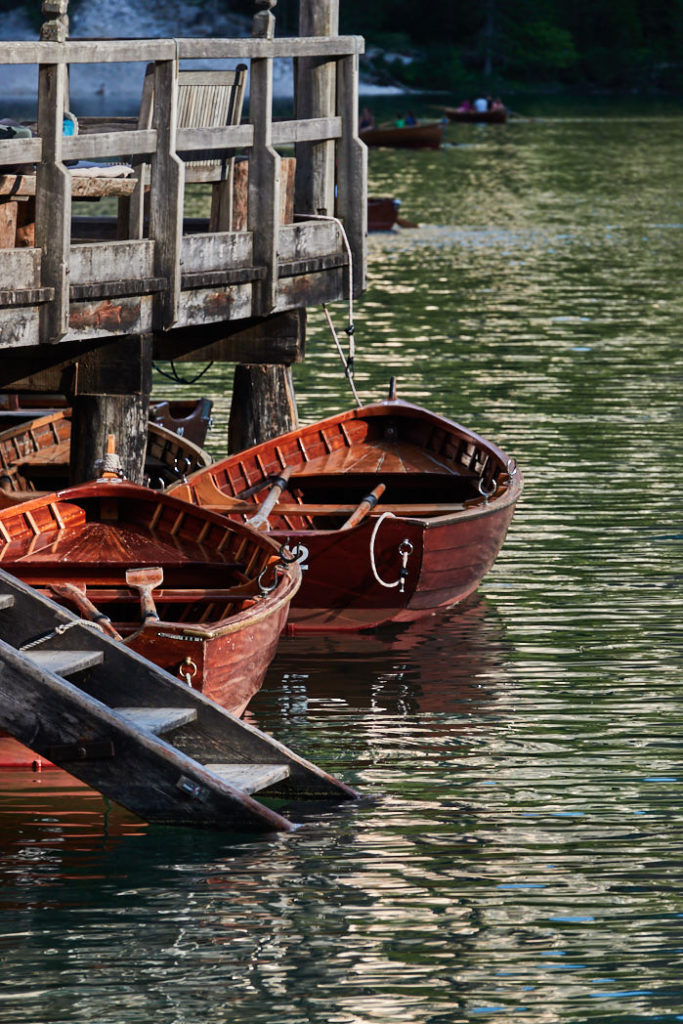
352 171
263 405
314 96
111 396
263 402
167 176
264 172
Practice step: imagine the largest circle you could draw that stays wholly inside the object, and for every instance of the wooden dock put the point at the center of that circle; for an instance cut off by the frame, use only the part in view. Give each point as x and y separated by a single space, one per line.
132 731
64 290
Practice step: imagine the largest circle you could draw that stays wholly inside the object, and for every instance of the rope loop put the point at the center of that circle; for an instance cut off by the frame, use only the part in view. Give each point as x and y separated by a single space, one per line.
405 550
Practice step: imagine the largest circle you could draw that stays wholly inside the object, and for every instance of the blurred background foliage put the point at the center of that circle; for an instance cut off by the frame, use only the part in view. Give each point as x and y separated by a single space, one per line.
615 45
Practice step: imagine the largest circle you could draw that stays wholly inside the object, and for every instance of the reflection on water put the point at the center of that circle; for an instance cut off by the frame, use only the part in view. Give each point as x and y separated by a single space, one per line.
518 846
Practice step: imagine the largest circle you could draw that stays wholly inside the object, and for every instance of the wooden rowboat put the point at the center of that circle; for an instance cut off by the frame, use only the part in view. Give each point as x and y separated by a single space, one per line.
393 510
411 136
187 418
476 116
35 456
202 597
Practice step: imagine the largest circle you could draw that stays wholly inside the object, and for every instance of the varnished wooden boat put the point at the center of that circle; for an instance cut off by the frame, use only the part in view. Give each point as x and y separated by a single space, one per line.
35 456
187 418
215 618
382 213
394 511
476 116
410 136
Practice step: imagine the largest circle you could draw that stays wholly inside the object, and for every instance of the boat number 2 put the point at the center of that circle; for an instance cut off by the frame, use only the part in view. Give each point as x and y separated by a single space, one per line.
301 552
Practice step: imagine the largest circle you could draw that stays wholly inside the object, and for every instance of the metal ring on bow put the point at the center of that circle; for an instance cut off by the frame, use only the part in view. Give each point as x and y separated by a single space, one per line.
405 547
483 490
511 467
177 467
263 588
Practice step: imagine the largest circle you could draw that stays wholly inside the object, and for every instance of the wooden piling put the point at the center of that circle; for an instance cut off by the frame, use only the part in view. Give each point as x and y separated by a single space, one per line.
111 396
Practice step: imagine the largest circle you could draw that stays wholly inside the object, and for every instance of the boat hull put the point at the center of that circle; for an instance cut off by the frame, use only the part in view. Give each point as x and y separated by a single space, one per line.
476 116
420 136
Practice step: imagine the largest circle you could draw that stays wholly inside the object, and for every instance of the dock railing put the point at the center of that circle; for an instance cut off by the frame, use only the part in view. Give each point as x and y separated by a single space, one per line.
57 290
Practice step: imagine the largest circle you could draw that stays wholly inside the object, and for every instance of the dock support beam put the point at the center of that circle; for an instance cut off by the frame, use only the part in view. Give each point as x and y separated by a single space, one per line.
263 400
111 396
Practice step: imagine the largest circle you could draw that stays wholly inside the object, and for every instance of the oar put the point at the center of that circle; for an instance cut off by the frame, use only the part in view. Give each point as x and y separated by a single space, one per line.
366 505
144 581
260 520
76 594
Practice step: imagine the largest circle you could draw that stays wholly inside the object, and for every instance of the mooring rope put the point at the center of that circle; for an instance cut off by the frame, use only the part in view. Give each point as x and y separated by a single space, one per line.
347 362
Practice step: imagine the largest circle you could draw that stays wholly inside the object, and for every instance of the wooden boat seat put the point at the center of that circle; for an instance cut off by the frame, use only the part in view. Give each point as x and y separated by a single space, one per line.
206 99
249 778
158 720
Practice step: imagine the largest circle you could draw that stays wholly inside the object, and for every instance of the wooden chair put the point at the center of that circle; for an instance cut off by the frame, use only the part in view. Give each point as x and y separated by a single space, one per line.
206 99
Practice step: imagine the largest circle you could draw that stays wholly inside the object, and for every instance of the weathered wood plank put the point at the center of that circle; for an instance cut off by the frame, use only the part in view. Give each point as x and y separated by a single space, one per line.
312 130
264 184
158 720
20 268
263 405
214 305
216 251
314 97
64 663
262 48
20 151
19 327
166 199
105 261
115 51
89 51
249 778
239 136
100 145
352 175
309 239
53 201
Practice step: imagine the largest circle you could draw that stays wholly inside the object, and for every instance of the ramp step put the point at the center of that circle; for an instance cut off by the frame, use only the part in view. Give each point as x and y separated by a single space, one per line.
249 778
6 601
64 663
158 720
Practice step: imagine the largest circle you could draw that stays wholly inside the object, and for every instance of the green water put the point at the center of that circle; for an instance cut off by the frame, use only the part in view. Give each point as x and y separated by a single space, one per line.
518 851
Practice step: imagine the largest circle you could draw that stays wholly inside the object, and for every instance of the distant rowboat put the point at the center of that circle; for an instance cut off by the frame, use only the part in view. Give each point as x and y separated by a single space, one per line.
35 456
476 116
410 136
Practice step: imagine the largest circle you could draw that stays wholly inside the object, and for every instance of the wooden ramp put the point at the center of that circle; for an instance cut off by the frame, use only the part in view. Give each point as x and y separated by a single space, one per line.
135 733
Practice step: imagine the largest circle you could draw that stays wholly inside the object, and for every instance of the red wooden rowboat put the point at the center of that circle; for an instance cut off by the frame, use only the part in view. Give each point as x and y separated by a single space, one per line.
395 511
476 116
215 618
409 136
34 456
187 418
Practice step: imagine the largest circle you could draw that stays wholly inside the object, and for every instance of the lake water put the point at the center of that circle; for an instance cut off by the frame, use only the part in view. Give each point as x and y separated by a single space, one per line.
518 852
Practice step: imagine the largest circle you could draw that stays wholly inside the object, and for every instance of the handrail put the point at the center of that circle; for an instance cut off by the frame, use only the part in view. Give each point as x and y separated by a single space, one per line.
128 51
166 147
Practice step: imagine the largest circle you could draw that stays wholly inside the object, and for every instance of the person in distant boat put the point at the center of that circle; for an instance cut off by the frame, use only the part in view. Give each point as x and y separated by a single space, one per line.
400 122
481 105
497 104
410 118
465 107
366 119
